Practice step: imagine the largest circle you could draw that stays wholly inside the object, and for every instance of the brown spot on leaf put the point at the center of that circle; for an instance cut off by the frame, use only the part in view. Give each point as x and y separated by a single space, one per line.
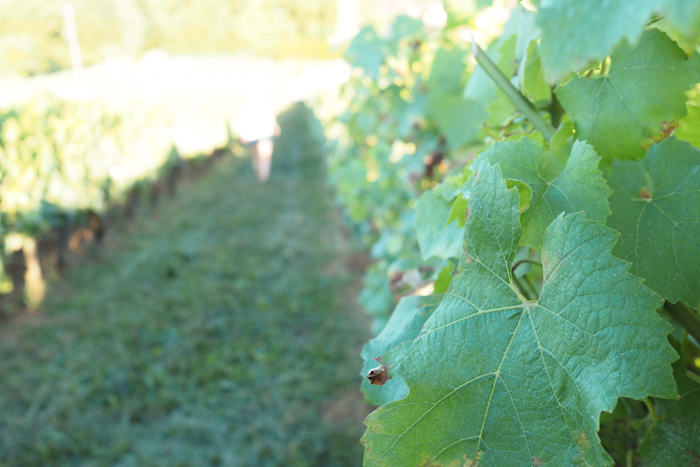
644 193
467 215
664 132
583 440
537 461
378 375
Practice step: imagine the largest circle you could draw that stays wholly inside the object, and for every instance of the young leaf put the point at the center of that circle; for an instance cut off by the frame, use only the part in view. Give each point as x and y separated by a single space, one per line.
689 127
434 237
656 208
504 381
405 323
534 84
458 211
578 187
637 102
482 88
513 95
445 276
675 438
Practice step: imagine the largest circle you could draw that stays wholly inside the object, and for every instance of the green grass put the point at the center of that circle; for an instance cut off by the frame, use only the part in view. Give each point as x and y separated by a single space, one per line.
219 330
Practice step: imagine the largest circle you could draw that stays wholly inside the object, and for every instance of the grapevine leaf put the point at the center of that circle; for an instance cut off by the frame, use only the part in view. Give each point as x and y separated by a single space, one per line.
683 15
561 143
404 28
530 78
655 208
576 32
434 237
458 119
675 438
687 42
527 31
405 323
367 51
504 381
447 71
410 113
637 103
579 186
534 84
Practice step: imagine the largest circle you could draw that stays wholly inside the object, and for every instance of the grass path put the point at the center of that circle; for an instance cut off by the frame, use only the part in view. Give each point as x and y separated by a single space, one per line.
220 330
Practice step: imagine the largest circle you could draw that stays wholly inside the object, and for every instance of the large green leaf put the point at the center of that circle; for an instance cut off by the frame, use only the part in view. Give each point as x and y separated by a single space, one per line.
513 382
575 32
636 104
405 324
675 438
579 186
656 208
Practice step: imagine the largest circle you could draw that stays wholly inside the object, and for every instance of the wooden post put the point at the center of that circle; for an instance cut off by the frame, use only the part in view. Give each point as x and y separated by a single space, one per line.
71 35
33 278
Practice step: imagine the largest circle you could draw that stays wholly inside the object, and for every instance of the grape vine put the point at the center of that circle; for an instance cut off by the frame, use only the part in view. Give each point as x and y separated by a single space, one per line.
533 211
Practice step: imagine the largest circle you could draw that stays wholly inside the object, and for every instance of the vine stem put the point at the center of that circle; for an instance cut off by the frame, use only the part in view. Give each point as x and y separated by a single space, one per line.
524 261
531 286
518 100
525 292
686 316
650 407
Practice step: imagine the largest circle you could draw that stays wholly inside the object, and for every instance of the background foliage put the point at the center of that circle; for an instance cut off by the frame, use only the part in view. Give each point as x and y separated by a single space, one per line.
31 32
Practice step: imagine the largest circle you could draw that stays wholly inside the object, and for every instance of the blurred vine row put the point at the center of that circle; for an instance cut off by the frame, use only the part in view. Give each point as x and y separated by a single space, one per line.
63 166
